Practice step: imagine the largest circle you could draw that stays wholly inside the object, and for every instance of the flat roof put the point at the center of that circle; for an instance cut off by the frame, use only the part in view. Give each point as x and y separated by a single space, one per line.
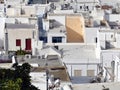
59 30
54 66
19 26
41 62
97 86
78 51
63 14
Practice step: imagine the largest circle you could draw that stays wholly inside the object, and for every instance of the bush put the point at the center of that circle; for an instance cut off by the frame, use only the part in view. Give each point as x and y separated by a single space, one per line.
20 52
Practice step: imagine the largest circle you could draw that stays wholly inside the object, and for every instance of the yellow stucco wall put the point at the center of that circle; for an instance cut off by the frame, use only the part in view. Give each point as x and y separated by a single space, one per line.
75 29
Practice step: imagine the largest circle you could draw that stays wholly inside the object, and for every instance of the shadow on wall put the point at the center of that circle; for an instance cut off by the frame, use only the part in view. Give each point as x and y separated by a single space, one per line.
1 44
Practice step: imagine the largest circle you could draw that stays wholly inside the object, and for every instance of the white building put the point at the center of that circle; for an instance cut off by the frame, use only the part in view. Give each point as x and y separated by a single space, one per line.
21 36
2 25
108 41
88 5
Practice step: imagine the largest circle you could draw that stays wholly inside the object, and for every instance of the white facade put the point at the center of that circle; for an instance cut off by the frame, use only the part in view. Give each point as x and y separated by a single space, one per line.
91 35
112 17
26 10
80 59
109 39
17 20
19 33
1 10
24 34
39 80
59 18
2 26
88 5
16 2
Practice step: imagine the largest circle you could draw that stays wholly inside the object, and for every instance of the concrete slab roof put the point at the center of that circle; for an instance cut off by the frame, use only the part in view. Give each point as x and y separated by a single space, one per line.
97 86
59 30
78 51
40 61
54 66
20 26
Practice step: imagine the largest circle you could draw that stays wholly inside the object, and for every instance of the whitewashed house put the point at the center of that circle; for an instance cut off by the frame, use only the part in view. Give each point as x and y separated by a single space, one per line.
20 36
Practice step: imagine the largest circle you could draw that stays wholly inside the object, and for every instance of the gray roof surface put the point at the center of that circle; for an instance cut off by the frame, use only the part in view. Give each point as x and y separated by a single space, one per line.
20 26
78 51
97 86
55 66
40 62
58 30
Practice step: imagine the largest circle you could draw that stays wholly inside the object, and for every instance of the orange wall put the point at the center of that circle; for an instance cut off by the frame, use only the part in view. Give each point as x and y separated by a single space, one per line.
75 29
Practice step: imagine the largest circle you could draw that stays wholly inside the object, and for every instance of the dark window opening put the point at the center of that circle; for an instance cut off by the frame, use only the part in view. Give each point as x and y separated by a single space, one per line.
28 44
56 47
18 42
96 40
44 39
56 39
80 7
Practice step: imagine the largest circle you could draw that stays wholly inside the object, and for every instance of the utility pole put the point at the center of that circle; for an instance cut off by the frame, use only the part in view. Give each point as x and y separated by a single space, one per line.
47 72
5 8
6 40
6 32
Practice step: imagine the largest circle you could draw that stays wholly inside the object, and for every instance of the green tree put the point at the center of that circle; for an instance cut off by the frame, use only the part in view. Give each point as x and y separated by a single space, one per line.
17 78
11 85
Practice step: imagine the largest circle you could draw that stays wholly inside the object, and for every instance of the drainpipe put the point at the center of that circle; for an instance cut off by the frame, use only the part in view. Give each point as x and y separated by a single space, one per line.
6 41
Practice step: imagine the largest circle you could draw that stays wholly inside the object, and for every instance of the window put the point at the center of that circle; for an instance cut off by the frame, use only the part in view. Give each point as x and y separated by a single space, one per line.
96 40
56 39
87 7
80 7
18 42
44 39
28 44
77 73
90 72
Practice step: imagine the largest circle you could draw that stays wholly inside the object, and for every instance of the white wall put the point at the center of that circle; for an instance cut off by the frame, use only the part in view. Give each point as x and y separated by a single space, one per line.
112 17
36 46
50 35
22 34
20 20
117 40
13 2
38 79
108 55
59 18
40 9
11 12
2 25
83 66
90 35
45 24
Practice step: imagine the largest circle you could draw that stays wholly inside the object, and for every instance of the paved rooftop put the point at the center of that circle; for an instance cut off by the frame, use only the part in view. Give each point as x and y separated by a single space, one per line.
19 26
78 51
59 30
97 86
41 62
54 66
